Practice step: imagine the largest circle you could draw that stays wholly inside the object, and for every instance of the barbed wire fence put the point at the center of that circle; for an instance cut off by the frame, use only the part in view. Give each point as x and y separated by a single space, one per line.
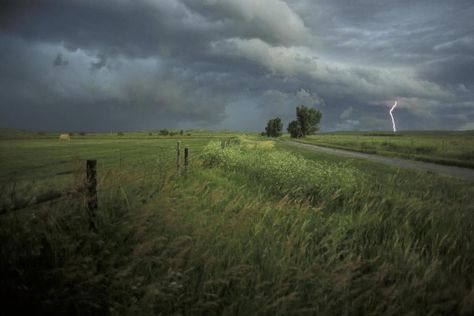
93 179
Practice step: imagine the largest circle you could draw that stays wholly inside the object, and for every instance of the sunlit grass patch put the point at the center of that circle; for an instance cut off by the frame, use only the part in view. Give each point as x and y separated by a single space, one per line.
254 143
283 172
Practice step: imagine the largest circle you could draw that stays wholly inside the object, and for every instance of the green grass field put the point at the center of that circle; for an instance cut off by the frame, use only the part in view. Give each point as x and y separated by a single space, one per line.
450 148
253 227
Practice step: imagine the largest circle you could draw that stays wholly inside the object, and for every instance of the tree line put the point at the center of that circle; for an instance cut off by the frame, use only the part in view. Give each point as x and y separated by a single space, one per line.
306 123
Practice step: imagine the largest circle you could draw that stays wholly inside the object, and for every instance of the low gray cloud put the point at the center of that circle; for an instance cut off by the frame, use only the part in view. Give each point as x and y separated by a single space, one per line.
123 64
454 70
275 103
59 61
101 62
270 20
347 113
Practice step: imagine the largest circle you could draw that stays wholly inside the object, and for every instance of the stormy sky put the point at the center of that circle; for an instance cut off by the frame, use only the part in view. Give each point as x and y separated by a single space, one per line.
88 65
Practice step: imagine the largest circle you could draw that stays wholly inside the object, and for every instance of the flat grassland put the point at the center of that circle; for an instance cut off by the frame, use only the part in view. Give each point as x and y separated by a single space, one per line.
450 148
254 226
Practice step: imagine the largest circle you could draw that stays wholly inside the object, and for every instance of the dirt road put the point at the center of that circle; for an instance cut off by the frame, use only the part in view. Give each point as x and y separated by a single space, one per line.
458 172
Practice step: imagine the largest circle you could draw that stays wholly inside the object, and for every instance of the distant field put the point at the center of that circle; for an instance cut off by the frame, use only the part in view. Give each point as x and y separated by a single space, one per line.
6 134
36 165
450 148
255 227
40 158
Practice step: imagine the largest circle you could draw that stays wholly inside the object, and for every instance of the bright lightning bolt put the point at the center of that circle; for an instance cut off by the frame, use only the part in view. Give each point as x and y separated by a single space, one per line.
391 115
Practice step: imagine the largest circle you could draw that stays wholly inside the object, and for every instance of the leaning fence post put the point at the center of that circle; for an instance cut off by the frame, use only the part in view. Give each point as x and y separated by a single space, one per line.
177 157
91 173
186 156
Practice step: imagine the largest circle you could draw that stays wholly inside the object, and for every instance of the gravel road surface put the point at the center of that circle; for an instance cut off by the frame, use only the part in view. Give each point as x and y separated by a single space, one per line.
453 171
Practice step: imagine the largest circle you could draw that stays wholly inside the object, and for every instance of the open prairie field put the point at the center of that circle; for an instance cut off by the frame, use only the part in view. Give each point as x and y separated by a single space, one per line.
450 148
254 226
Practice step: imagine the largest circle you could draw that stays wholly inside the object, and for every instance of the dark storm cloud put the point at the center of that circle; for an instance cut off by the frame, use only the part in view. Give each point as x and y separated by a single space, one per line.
101 62
124 95
450 70
132 64
432 36
269 20
59 61
134 28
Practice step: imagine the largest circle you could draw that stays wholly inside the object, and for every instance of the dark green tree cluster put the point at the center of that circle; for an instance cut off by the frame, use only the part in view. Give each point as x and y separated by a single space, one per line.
306 123
274 127
294 129
165 132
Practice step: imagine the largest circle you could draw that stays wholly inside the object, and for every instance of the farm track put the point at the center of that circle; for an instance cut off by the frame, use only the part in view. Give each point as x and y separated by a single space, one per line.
453 171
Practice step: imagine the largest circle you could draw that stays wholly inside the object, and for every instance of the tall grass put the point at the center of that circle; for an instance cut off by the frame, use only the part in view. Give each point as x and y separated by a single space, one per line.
51 261
283 172
234 236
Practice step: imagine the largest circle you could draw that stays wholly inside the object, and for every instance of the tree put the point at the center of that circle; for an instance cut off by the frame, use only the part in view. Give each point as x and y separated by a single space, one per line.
294 129
306 122
274 127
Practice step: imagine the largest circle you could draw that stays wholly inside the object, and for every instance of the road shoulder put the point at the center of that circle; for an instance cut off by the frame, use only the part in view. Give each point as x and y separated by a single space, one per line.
453 171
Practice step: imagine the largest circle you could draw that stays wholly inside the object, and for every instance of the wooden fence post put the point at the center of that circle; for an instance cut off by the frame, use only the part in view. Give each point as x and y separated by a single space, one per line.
177 157
186 157
91 173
